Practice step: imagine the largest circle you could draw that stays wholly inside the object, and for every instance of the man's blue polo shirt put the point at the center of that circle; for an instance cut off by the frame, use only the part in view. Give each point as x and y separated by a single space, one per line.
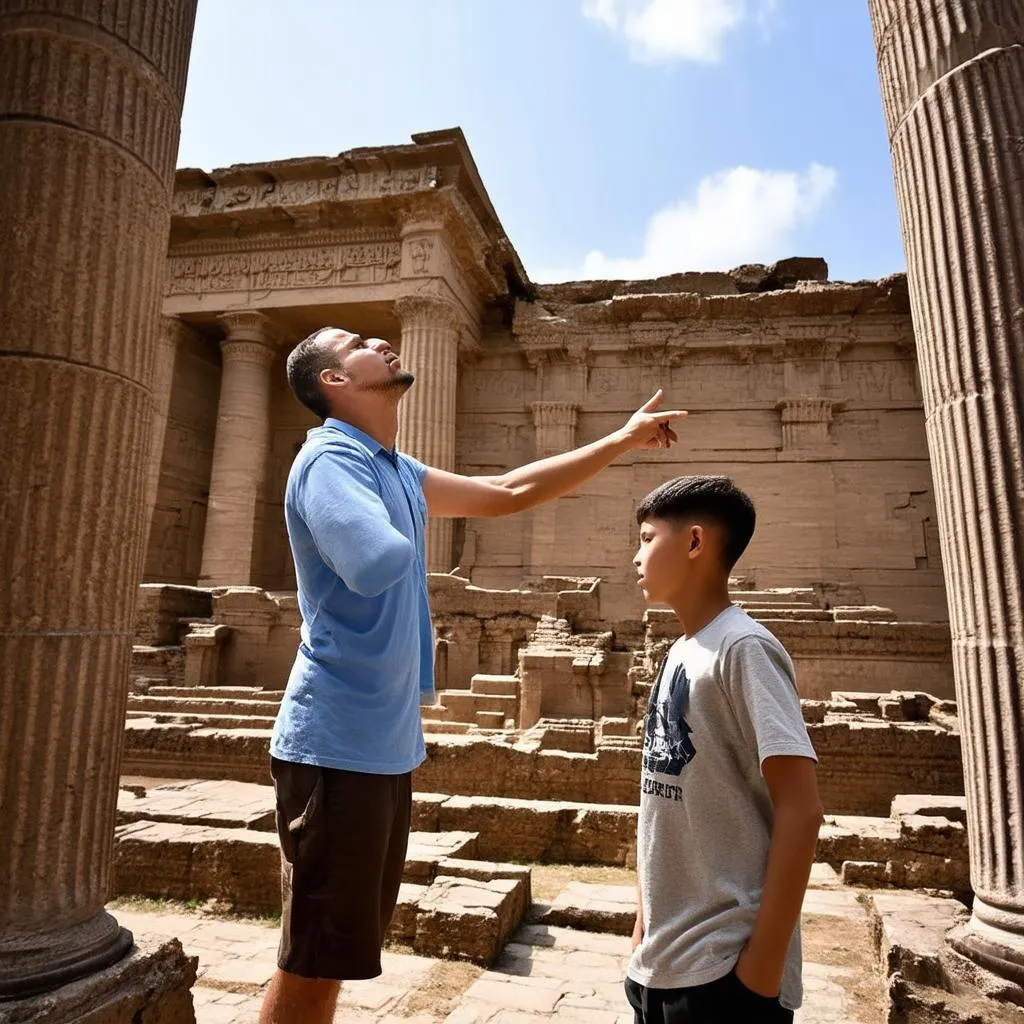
356 517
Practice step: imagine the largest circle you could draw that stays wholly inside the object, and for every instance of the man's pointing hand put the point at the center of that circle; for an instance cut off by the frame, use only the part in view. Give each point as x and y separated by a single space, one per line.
649 428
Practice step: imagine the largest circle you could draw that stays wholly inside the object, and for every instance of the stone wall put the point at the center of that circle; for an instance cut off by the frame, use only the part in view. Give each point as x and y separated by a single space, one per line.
808 398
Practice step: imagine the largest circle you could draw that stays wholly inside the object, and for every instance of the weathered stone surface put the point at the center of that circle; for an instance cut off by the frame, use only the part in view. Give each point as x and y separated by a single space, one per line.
928 982
240 868
962 211
90 102
151 985
467 918
429 348
160 610
593 908
922 850
544 830
864 762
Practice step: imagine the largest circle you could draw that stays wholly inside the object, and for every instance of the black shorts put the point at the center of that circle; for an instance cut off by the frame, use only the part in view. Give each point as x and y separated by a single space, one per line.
343 842
725 1001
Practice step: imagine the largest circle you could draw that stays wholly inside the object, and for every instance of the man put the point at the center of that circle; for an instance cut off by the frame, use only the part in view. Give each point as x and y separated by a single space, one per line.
348 734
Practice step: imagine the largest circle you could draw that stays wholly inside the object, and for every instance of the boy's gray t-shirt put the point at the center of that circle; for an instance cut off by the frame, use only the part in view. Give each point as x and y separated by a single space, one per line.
725 700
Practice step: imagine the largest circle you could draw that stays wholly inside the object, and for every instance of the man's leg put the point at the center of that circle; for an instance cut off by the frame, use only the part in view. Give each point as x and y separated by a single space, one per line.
343 839
289 999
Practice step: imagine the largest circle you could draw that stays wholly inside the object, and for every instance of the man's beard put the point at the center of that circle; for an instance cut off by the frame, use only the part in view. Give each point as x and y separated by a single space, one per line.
399 382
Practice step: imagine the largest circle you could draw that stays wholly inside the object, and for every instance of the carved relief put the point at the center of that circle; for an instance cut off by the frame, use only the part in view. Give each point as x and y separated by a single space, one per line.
805 422
420 252
349 184
269 270
247 352
554 414
917 509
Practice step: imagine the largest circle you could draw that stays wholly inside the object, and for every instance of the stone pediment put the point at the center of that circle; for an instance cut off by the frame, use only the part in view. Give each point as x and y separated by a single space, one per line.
367 216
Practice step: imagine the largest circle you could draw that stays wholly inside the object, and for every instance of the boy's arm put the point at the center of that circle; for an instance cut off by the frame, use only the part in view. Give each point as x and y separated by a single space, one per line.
450 495
793 786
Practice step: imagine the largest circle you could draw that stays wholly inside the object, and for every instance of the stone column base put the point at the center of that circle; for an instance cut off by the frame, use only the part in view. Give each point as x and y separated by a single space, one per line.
929 981
151 985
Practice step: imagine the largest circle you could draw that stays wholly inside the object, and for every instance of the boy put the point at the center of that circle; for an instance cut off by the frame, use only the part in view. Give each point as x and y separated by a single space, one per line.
729 805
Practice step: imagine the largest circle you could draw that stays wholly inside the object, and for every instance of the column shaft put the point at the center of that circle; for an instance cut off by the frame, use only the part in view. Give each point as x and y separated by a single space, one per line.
163 381
555 431
239 451
90 103
426 416
952 75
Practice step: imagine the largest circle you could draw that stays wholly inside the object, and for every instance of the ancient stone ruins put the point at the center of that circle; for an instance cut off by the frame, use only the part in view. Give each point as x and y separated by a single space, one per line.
148 430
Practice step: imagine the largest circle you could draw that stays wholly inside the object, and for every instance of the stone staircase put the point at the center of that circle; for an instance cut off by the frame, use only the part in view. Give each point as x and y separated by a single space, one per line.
491 704
203 841
215 707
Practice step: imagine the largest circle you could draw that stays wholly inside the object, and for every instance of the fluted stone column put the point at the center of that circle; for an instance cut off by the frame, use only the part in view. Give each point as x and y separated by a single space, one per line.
90 101
168 335
554 426
240 449
426 416
952 76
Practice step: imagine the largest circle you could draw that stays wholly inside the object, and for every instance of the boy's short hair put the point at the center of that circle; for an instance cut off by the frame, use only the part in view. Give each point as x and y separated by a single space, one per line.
711 497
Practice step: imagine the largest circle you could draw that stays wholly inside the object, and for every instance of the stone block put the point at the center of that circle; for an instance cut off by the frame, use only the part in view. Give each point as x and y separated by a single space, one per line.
466 918
238 867
594 908
161 611
151 985
952 807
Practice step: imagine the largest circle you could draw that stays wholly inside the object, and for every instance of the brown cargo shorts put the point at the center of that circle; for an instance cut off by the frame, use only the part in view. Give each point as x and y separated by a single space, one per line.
343 842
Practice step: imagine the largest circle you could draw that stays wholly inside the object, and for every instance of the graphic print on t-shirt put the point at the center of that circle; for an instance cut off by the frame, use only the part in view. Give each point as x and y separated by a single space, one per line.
667 745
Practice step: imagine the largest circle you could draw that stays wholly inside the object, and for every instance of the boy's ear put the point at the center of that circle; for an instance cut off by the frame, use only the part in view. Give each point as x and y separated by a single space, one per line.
696 538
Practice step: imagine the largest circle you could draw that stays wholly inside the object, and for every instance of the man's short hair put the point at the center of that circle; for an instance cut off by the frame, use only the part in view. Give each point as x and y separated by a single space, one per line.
306 361
704 497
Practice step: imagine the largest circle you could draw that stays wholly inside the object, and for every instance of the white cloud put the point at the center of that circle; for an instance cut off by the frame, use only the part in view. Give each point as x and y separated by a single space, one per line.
666 30
739 215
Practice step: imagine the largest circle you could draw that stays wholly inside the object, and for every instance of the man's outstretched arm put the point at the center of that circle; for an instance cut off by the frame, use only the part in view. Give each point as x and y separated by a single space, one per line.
452 496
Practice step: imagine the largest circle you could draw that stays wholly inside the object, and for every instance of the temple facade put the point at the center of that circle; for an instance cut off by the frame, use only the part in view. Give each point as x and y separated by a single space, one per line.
805 391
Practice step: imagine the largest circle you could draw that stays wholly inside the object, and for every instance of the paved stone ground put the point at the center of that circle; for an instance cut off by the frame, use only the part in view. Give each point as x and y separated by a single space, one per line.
546 973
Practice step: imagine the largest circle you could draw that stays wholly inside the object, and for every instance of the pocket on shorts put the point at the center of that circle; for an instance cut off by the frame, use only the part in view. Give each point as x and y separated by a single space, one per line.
759 1007
299 799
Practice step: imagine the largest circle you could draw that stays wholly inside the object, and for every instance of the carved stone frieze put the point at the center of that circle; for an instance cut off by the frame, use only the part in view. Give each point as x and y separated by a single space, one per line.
347 184
262 270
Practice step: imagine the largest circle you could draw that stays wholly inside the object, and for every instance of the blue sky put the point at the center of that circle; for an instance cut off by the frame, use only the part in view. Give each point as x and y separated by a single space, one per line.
616 137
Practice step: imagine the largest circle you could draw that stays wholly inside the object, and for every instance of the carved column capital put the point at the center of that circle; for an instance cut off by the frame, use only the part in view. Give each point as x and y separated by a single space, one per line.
250 337
554 414
806 422
806 410
249 325
427 311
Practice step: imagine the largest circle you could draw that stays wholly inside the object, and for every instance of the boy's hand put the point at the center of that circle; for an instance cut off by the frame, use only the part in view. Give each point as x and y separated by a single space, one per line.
648 428
638 933
759 978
